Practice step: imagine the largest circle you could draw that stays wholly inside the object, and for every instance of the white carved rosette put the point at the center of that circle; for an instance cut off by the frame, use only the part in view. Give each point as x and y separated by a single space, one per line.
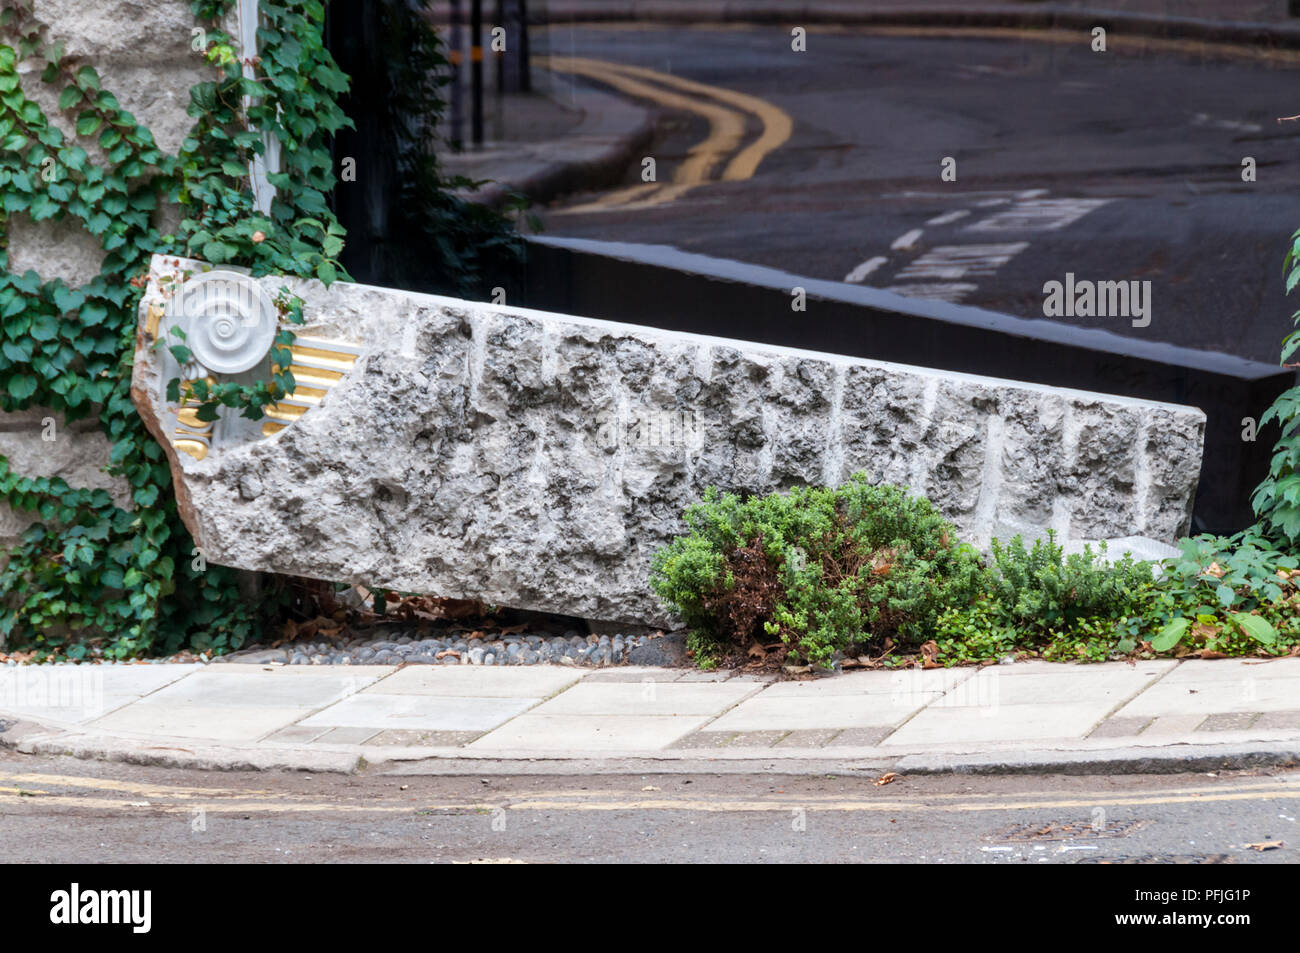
228 321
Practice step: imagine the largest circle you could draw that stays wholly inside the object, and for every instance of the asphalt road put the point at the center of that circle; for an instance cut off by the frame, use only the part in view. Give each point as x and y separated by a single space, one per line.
1124 165
62 810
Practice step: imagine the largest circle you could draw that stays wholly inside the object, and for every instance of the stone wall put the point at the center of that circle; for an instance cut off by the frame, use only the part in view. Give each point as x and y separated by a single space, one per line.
539 460
142 51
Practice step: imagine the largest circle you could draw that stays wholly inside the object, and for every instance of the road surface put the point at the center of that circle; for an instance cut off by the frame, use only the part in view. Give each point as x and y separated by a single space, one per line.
1117 166
62 810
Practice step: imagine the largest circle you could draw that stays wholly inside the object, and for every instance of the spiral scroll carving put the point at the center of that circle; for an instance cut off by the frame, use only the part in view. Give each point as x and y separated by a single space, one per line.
228 320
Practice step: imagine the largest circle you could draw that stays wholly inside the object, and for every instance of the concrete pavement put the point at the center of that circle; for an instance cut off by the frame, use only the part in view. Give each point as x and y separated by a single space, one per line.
1033 717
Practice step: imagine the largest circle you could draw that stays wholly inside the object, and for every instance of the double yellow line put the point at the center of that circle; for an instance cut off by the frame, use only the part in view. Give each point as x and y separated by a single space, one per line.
718 157
33 791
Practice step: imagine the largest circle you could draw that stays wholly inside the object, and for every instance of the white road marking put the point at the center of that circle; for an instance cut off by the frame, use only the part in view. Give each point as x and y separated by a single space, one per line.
989 203
1038 215
948 195
947 218
1031 193
860 273
908 239
1204 120
951 262
935 291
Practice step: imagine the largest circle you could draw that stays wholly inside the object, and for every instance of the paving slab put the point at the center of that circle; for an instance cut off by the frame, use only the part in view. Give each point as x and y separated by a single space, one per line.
238 703
706 739
1214 694
1279 721
1233 670
1033 702
1168 726
210 722
817 738
1120 727
1004 723
296 734
475 681
381 711
78 694
653 698
569 733
635 673
298 686
774 713
397 737
1105 685
874 683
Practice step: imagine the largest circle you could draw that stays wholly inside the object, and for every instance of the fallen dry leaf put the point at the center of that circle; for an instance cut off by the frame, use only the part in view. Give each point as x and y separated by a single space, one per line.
886 778
448 652
928 652
1265 845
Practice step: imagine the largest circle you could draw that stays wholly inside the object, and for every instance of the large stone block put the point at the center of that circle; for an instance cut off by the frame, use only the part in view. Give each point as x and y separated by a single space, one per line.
539 460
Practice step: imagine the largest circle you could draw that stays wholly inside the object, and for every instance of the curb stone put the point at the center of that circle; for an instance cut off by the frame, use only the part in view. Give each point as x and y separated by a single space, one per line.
29 737
991 16
605 143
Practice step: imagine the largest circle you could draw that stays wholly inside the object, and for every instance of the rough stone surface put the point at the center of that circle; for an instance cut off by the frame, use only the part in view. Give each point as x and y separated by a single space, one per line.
539 460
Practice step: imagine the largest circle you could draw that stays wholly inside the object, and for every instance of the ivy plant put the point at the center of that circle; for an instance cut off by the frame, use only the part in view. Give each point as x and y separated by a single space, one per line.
125 571
1277 500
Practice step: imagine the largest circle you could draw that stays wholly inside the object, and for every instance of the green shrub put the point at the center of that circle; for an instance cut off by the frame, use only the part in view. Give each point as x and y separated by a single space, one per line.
1076 607
1227 595
819 568
1041 590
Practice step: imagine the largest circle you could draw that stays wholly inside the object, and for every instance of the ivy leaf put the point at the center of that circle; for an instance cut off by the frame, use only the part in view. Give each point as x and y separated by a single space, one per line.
22 386
45 327
219 252
87 123
182 354
20 352
68 97
43 207
93 313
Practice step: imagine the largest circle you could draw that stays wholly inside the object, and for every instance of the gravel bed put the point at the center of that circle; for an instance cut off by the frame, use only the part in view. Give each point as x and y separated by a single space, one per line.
571 648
